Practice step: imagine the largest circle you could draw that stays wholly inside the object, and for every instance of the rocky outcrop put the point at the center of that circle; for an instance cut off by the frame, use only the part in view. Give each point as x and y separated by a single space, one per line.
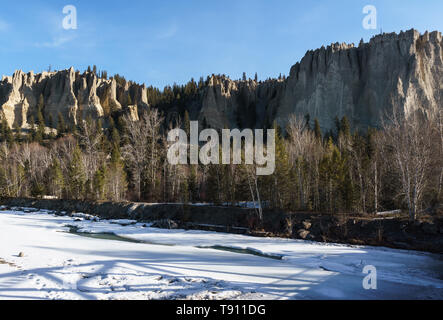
392 71
73 95
403 71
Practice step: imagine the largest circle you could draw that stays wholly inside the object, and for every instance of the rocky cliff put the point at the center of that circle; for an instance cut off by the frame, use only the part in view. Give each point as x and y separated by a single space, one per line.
73 95
403 71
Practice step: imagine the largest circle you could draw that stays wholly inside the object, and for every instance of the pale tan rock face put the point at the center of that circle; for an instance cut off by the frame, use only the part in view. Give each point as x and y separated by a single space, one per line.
60 97
88 101
75 96
133 113
403 71
16 106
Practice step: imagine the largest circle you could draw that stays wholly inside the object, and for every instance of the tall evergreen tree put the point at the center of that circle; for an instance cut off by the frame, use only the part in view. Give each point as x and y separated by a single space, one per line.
61 126
279 187
193 183
6 132
308 121
116 176
18 135
345 127
317 130
99 182
40 110
76 175
187 123
56 179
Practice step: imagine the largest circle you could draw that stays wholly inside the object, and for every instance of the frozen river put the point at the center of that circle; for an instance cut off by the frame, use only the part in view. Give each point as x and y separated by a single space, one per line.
41 259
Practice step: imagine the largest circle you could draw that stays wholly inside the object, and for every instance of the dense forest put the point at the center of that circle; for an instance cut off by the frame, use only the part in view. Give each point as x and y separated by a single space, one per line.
116 159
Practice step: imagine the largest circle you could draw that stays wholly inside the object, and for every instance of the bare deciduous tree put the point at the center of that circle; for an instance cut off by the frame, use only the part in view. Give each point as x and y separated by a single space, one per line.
90 138
408 138
142 153
303 148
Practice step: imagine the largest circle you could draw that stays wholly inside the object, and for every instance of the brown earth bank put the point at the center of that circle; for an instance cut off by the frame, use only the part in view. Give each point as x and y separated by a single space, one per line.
425 234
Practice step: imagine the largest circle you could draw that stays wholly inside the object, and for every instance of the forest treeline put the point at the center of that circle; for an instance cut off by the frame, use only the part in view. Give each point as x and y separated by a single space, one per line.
397 166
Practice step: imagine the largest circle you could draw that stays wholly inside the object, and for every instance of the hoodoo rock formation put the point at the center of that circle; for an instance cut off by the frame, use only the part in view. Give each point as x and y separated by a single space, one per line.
402 71
73 95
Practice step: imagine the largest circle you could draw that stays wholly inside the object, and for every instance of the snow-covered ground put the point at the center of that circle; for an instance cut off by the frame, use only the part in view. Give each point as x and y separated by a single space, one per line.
178 264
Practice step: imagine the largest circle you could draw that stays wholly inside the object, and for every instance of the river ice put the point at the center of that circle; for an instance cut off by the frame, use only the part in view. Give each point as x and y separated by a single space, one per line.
179 264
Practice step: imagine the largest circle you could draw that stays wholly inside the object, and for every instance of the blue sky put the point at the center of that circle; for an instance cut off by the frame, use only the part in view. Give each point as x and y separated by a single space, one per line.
162 42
